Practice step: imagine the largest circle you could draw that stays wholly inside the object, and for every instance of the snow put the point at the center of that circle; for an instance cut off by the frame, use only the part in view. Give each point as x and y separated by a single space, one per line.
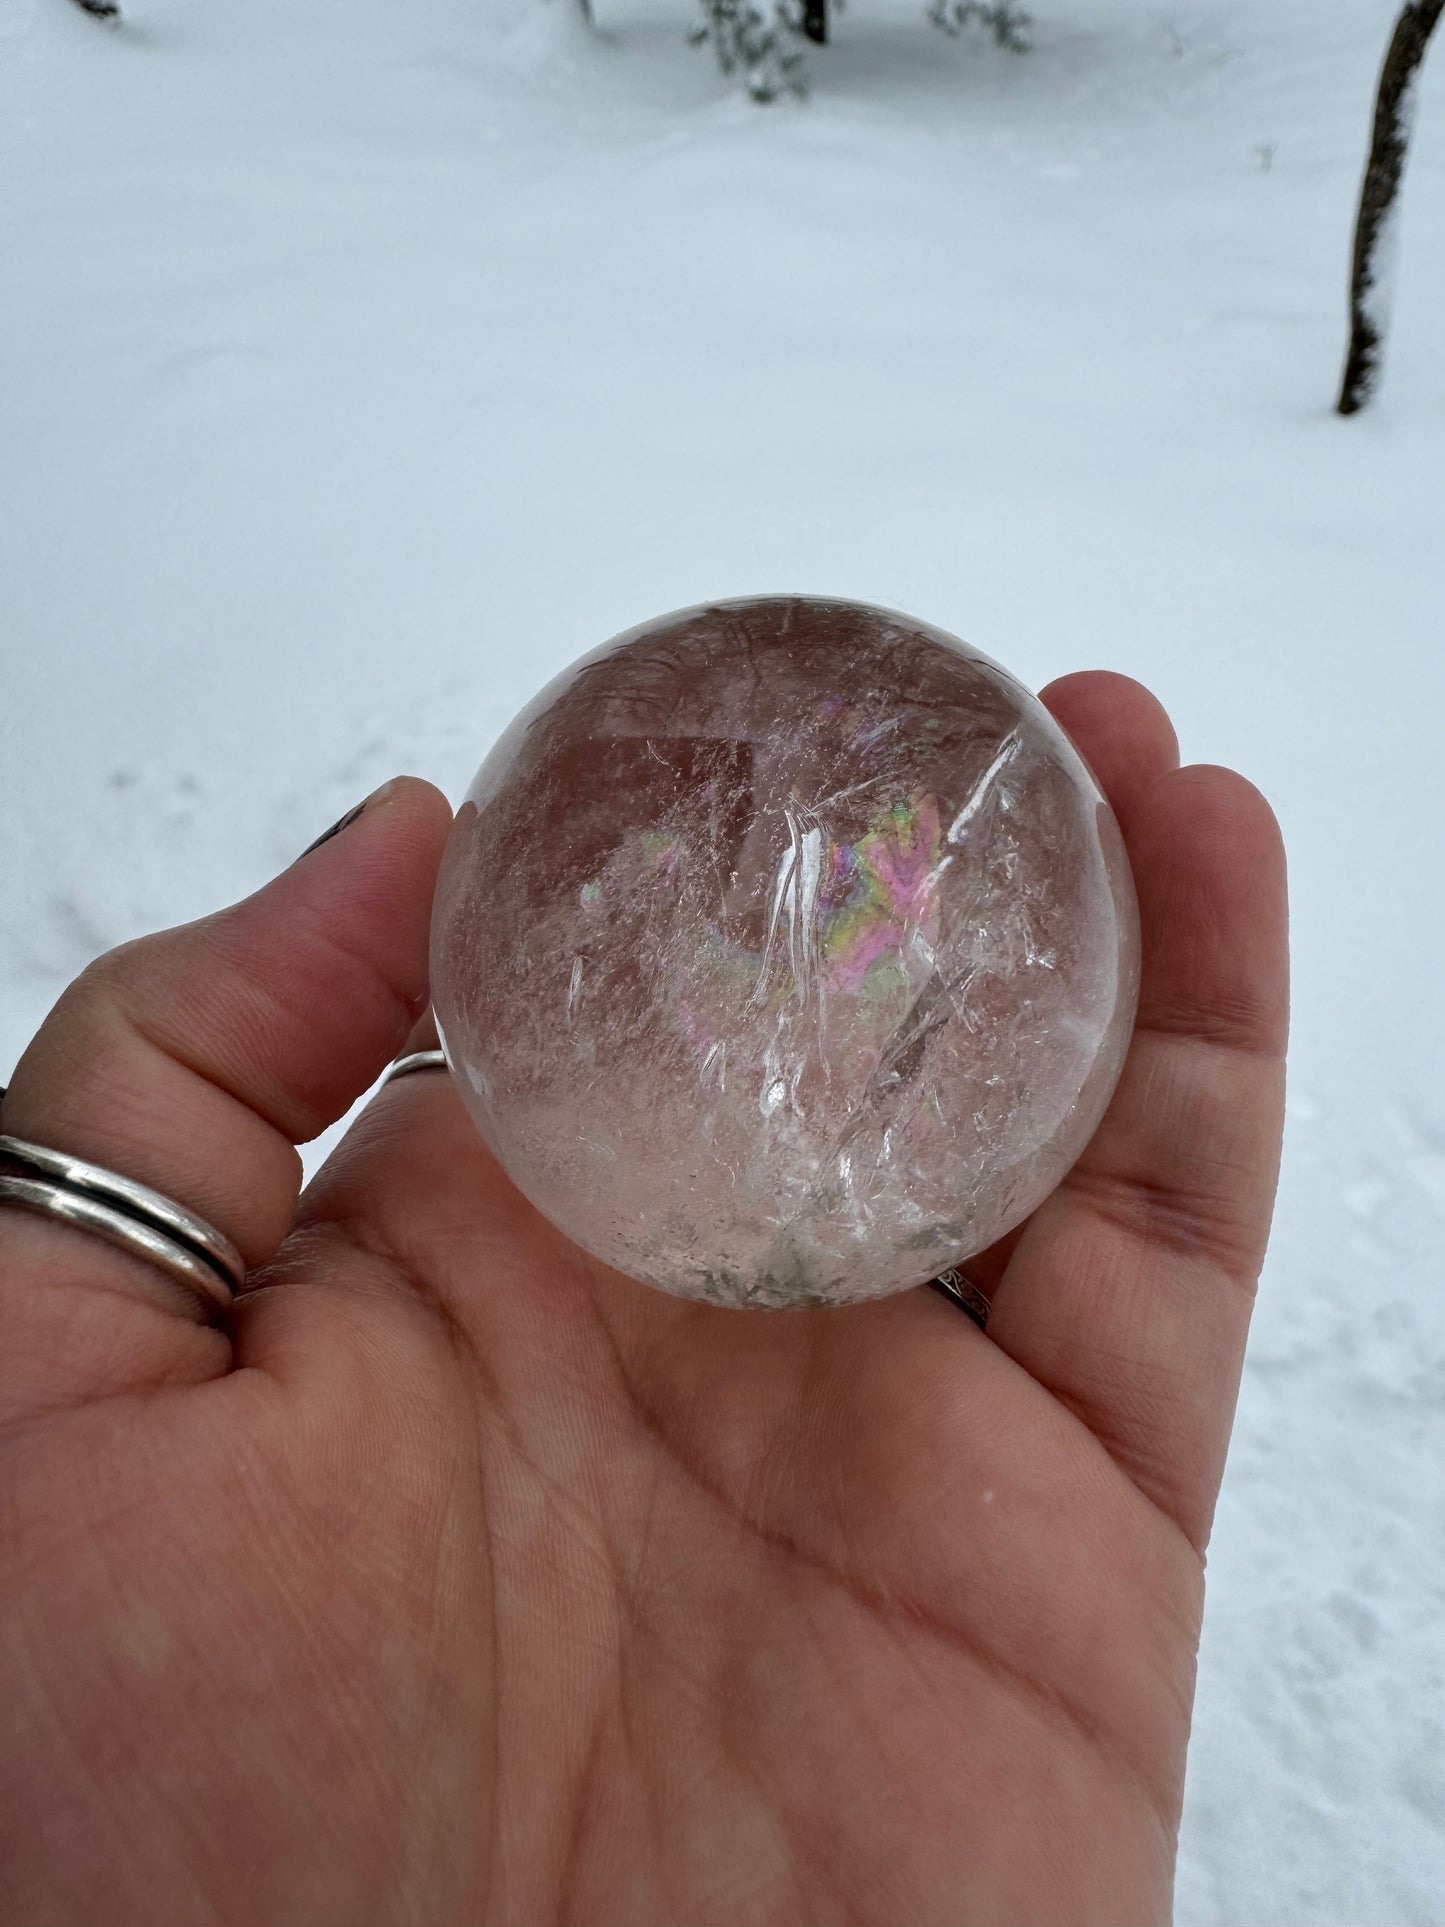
362 363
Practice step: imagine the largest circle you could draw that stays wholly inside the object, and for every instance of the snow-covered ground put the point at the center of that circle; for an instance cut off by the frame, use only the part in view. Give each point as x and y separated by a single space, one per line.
363 362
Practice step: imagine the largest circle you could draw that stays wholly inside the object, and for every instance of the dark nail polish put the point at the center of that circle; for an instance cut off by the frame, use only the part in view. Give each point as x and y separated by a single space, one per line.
335 830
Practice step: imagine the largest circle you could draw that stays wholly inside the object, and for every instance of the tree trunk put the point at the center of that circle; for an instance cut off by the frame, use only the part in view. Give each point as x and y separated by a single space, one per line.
815 20
1389 144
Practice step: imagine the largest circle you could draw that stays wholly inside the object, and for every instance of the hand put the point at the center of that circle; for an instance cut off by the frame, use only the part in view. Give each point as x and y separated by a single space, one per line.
464 1580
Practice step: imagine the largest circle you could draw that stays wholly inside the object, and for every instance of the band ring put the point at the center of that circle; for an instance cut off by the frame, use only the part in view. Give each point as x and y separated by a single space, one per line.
954 1285
128 1234
126 1214
417 1060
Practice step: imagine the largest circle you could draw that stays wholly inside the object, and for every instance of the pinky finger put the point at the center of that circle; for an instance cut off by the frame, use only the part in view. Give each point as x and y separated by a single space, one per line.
1129 1294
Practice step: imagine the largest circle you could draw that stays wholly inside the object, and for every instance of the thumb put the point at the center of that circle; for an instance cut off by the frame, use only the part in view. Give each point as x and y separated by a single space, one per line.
194 1062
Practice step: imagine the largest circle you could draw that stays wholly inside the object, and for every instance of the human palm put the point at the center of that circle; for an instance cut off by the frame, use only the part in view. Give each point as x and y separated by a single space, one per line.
463 1579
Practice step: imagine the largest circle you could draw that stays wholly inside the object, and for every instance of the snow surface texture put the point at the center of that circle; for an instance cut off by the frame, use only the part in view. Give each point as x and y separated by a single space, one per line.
362 363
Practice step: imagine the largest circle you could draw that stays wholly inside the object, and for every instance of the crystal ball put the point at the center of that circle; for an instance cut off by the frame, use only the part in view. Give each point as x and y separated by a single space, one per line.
785 952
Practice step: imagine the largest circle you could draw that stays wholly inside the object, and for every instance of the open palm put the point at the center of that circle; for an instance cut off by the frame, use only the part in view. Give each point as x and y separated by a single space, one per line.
464 1580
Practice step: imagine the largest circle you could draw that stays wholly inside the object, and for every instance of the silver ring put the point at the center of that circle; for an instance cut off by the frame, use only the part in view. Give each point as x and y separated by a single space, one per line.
127 1214
130 1234
417 1060
954 1285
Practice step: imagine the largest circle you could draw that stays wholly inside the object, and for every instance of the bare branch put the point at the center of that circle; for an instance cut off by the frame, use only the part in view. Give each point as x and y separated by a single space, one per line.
1389 146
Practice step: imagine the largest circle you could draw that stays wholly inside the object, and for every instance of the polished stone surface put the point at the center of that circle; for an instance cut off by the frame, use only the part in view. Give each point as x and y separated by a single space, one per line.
785 952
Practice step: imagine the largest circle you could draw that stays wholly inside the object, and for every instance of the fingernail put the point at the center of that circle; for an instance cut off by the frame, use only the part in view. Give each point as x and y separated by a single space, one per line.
336 828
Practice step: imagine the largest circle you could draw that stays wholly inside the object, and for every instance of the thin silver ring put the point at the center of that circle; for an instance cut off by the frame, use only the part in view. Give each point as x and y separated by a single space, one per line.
417 1060
136 1202
954 1285
133 1235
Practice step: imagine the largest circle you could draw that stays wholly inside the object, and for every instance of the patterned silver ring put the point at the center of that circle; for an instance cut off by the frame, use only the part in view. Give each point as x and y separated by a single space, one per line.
954 1285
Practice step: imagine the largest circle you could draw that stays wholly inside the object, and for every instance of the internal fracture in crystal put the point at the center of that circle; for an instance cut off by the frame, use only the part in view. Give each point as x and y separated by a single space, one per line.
785 952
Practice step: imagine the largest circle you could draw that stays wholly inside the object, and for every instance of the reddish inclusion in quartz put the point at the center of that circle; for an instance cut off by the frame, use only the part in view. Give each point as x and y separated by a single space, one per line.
785 952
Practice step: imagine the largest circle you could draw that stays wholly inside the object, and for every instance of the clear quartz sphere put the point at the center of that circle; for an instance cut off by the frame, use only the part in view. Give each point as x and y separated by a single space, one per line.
785 952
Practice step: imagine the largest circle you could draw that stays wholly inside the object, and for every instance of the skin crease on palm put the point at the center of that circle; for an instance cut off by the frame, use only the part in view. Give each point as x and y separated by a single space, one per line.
463 1580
